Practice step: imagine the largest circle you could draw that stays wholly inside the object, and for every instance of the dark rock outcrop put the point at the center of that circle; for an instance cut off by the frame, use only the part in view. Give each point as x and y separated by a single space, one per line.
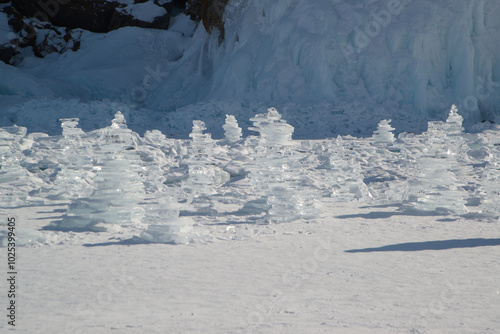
210 12
122 19
92 15
56 40
6 53
49 26
42 37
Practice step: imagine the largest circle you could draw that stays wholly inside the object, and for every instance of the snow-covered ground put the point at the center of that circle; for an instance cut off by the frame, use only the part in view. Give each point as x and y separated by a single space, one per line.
368 260
285 278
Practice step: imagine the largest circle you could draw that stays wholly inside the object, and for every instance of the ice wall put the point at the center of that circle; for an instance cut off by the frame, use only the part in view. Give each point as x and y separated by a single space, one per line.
411 56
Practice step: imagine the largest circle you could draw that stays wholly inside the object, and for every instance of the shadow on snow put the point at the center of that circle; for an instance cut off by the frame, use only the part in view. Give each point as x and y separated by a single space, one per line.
125 242
430 245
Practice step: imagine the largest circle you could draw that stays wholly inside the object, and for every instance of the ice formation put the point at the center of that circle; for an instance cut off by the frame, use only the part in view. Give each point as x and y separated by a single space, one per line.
490 202
164 223
16 183
384 134
75 176
203 176
10 169
386 178
158 155
232 131
437 187
490 180
161 214
273 130
276 172
118 187
344 174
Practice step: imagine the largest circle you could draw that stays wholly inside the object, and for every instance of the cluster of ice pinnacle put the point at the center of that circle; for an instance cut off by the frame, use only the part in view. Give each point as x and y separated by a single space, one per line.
114 176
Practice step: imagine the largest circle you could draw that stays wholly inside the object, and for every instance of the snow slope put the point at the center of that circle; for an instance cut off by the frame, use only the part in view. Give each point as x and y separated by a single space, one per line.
345 63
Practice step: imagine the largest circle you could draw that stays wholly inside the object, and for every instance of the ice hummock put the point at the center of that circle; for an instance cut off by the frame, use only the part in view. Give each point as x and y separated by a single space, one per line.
384 133
118 187
16 182
436 187
163 222
203 176
75 176
232 131
276 173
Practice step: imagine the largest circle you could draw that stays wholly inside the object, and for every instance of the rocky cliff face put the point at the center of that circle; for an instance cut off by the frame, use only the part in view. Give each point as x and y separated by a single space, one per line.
210 12
93 15
55 25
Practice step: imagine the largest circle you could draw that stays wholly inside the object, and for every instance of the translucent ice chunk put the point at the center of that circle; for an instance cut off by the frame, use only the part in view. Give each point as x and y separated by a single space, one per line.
118 185
276 173
384 134
164 223
232 131
273 130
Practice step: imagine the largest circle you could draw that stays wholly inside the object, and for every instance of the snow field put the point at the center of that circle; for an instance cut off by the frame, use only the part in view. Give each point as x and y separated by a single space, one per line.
283 278
361 266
